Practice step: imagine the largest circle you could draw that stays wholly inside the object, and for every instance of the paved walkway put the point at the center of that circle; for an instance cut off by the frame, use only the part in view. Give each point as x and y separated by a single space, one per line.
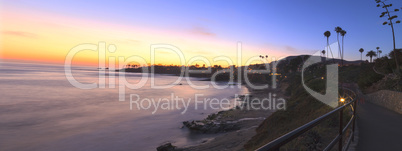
380 129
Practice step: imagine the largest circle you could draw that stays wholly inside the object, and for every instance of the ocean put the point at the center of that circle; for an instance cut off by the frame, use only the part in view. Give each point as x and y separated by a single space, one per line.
41 110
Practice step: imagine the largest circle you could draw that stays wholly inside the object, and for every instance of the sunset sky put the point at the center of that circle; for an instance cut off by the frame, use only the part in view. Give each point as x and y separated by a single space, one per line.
45 31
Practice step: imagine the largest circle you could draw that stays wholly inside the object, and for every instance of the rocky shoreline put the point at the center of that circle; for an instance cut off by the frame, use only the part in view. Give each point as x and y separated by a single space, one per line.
210 126
236 125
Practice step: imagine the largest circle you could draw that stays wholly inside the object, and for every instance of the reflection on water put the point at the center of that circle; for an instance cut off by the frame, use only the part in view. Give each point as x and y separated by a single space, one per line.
41 110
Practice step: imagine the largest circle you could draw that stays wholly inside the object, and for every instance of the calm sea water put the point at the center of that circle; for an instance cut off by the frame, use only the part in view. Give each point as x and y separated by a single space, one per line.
41 110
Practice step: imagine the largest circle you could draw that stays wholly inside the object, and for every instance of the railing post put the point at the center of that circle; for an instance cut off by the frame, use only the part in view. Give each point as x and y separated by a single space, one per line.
340 129
354 118
280 141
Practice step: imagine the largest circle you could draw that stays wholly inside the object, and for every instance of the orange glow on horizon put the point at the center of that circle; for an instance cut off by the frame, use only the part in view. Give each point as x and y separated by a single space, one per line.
49 38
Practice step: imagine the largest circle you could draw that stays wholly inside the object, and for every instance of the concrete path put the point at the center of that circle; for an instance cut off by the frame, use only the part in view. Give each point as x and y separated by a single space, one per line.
380 129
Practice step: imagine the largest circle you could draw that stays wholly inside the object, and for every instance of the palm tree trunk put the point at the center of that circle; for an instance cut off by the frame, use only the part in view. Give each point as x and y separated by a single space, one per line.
339 45
395 56
342 52
327 46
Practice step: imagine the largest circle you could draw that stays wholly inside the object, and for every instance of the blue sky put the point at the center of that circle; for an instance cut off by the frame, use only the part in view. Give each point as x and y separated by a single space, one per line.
289 25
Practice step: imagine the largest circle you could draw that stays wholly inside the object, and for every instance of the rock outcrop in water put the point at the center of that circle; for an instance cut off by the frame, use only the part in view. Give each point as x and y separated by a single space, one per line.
166 147
210 126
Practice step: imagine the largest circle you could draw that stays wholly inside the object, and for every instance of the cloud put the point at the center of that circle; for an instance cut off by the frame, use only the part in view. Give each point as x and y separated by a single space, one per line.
128 41
21 33
295 51
163 52
134 41
201 31
291 49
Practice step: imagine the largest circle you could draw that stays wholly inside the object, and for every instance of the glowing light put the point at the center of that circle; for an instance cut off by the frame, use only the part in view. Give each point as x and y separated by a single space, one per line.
342 100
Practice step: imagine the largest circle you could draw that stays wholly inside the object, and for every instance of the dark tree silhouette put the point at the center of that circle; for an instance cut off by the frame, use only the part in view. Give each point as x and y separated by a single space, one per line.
389 22
361 50
379 53
323 53
343 33
377 50
371 54
338 31
328 34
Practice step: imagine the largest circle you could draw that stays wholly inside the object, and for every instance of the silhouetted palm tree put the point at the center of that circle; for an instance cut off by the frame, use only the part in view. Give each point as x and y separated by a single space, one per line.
379 53
338 30
371 54
343 33
361 50
323 54
377 50
327 34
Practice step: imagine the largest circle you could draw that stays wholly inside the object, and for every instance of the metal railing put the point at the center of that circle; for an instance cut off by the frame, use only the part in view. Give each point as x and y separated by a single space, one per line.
350 100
